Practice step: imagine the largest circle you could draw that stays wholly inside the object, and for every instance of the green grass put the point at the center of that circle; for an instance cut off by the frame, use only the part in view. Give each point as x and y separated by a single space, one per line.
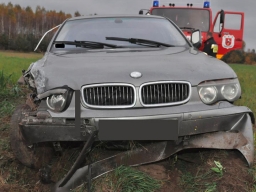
6 107
13 63
203 181
247 77
127 179
11 66
8 94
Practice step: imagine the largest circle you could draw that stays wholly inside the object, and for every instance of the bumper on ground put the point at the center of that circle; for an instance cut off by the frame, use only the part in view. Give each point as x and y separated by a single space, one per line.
240 137
226 128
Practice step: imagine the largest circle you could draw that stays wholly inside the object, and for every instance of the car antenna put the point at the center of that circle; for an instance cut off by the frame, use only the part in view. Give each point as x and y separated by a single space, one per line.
45 35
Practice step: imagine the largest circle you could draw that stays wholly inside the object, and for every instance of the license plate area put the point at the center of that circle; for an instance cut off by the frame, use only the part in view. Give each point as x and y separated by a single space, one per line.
160 129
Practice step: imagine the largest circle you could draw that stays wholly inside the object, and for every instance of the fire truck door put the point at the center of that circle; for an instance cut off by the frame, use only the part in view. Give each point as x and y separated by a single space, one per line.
228 29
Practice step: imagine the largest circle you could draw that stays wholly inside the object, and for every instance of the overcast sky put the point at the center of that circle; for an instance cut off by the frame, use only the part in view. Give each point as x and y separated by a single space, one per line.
86 7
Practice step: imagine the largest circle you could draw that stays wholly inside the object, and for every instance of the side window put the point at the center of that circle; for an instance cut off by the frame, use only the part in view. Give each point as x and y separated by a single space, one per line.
233 21
217 25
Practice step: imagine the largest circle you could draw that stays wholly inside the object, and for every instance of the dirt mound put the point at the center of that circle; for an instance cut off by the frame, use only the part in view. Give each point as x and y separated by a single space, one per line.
192 171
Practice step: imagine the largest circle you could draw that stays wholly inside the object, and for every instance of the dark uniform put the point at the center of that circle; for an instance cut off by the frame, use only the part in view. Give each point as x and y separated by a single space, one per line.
210 47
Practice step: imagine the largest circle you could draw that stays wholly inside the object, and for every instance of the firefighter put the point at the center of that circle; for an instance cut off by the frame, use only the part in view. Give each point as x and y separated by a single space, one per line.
210 46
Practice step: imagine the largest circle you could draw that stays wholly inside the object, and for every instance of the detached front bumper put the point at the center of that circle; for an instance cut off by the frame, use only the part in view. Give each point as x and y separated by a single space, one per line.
239 136
228 127
222 128
41 127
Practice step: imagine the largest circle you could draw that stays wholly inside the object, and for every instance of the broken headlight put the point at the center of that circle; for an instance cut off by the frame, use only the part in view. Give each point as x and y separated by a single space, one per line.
213 91
59 102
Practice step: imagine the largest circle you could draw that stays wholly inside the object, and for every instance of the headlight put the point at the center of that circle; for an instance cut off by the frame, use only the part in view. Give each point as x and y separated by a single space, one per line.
230 92
56 102
59 102
213 91
208 94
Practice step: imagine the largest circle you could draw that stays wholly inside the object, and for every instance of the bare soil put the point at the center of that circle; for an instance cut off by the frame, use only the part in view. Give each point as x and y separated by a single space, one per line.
192 172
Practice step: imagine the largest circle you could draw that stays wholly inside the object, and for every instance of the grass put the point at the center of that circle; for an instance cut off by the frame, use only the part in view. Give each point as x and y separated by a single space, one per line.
6 107
6 101
127 179
203 181
247 78
8 94
11 66
13 63
205 174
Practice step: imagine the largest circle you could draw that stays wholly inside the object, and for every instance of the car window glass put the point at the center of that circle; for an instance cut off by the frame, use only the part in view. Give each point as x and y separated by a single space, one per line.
232 21
98 29
194 18
217 25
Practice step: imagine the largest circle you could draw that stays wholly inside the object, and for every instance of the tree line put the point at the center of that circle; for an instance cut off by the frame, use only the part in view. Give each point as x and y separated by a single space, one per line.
21 28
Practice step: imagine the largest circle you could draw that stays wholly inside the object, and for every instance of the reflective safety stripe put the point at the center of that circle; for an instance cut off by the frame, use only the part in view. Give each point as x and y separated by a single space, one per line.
214 48
219 56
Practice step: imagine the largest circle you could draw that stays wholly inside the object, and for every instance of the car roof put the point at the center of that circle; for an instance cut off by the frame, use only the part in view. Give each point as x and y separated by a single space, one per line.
116 16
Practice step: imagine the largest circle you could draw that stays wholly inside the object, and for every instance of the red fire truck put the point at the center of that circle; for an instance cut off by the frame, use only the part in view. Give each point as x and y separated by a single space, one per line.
227 26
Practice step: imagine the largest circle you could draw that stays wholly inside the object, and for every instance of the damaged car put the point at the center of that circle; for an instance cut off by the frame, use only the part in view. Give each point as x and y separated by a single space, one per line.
127 78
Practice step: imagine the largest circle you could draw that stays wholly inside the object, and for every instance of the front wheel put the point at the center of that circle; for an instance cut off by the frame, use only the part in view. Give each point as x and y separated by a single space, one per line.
34 156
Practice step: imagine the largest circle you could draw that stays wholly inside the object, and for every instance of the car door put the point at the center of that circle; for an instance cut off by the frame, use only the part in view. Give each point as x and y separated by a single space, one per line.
228 30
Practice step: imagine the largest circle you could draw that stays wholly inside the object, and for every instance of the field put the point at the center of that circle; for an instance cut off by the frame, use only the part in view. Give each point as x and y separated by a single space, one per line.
247 78
14 63
193 170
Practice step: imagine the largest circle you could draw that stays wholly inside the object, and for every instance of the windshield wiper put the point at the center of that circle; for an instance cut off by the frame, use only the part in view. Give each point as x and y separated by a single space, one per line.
140 41
86 44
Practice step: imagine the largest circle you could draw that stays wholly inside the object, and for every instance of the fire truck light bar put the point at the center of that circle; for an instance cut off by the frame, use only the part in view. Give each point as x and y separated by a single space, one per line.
155 3
206 4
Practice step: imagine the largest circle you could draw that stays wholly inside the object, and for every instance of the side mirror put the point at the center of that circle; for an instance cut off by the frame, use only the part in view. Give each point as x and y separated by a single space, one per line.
141 12
222 17
196 38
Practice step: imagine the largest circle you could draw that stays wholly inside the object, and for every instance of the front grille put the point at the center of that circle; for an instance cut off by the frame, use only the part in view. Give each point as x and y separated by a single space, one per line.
109 95
164 93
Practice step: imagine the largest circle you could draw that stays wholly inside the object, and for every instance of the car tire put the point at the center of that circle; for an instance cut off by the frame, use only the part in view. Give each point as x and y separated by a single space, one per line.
35 157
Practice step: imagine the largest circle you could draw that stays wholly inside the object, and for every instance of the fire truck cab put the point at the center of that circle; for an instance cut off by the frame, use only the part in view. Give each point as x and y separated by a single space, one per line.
227 26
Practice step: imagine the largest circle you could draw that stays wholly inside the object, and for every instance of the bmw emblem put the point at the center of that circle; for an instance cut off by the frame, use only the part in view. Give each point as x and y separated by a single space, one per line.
136 74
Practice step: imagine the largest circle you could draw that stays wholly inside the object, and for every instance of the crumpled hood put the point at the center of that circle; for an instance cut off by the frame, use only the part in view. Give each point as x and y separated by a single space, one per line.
116 65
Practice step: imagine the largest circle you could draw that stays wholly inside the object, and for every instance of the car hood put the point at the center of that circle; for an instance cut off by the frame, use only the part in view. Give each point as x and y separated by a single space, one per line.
116 65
